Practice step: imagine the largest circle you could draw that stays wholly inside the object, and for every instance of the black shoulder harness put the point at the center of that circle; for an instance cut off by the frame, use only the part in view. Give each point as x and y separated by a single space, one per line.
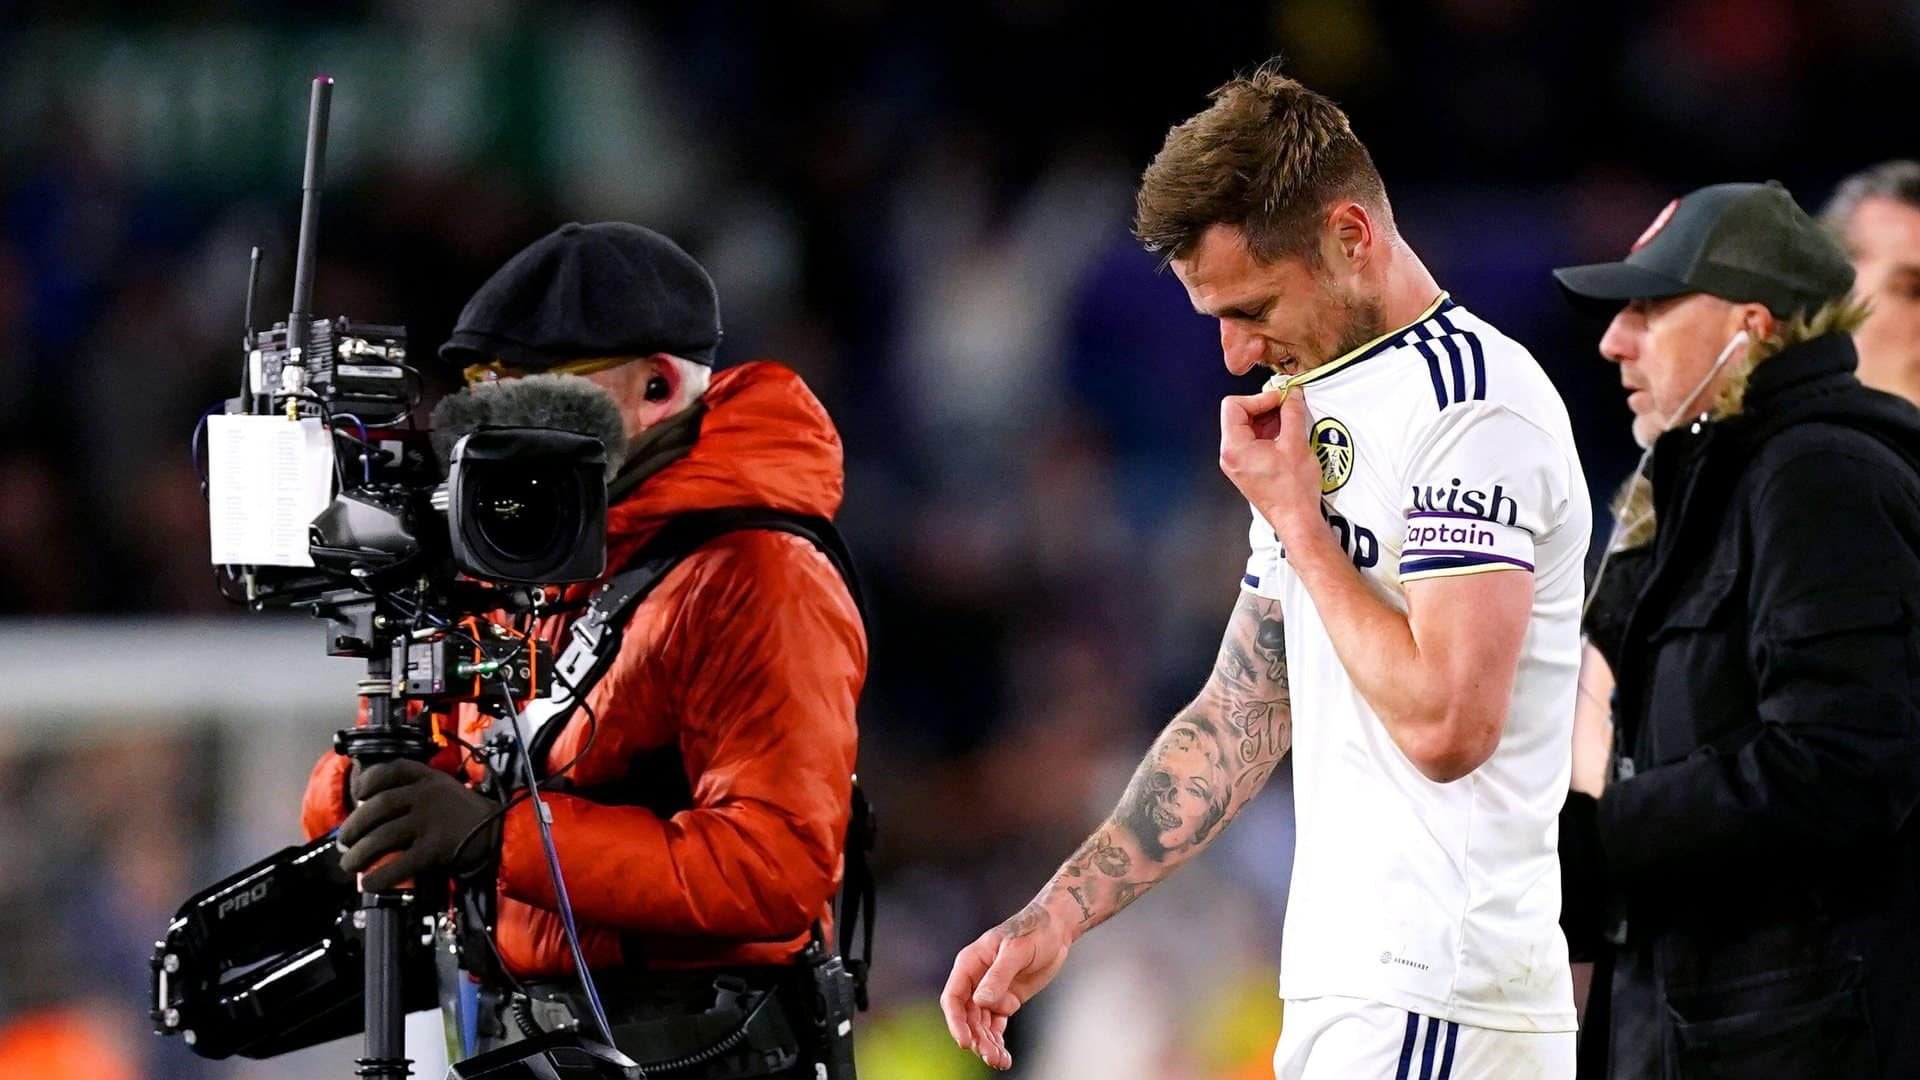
594 640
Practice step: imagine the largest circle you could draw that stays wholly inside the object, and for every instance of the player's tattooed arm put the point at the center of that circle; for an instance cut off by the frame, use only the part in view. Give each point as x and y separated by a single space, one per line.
1214 756
1250 696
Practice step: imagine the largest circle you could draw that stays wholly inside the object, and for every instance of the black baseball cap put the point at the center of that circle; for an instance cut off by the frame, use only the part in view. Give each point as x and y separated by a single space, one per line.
1749 243
607 289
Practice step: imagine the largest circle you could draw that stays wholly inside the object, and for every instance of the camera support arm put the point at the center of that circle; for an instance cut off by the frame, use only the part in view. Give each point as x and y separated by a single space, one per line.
387 734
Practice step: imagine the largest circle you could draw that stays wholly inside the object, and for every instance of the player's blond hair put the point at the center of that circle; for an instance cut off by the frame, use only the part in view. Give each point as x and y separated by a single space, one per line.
1270 157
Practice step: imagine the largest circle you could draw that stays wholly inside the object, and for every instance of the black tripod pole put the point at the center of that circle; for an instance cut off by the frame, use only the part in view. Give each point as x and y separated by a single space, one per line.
386 1056
384 737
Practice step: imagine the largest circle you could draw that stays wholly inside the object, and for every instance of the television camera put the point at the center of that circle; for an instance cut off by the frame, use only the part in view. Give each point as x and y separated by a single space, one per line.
433 552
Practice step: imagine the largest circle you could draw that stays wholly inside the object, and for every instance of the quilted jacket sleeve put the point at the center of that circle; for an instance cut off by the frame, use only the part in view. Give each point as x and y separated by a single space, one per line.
325 805
768 655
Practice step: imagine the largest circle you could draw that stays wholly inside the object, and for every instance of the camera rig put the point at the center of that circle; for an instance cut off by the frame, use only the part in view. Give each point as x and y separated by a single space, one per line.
425 579
436 550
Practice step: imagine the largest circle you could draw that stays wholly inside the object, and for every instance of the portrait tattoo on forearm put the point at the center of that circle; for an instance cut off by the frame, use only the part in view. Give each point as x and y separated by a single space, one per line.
1220 750
1211 759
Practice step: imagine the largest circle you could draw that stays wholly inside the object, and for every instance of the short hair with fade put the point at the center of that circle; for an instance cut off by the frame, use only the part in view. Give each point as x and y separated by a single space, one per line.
1898 180
1268 157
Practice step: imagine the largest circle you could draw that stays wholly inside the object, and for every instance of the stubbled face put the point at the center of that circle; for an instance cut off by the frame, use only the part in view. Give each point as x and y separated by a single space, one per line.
1289 314
1664 348
650 390
1884 240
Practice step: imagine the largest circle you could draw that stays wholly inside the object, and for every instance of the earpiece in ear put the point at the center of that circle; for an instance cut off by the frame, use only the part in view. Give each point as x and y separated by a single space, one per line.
658 388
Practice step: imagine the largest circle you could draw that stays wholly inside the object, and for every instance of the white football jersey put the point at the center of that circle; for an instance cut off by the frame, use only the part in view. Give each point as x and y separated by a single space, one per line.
1445 450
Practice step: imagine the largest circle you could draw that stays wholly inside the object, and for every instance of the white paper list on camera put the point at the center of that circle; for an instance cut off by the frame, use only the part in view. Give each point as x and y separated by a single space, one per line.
268 478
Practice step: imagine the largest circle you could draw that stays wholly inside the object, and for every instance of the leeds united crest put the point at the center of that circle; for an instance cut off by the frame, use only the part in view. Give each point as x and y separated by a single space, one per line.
1333 445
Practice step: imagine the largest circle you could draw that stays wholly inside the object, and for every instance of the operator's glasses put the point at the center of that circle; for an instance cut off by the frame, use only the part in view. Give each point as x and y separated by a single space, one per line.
496 370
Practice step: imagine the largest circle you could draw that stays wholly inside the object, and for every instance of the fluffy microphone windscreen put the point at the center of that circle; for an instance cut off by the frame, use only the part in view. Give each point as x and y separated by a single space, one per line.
562 402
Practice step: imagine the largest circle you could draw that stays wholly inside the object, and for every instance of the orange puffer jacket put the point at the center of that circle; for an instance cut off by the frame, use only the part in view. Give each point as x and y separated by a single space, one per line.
748 658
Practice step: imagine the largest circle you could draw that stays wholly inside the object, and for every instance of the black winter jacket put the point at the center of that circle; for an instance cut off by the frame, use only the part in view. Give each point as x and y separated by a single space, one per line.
1757 843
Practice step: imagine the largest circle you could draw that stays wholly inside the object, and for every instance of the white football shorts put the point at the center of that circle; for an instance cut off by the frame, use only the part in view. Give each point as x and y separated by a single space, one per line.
1342 1038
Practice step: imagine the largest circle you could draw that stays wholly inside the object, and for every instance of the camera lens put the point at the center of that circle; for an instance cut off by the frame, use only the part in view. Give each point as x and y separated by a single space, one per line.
528 506
522 513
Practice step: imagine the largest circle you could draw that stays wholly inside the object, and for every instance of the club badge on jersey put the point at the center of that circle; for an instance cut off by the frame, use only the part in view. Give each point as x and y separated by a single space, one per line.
1333 445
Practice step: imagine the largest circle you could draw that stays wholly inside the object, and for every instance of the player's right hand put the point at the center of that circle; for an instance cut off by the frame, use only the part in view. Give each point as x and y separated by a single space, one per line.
997 974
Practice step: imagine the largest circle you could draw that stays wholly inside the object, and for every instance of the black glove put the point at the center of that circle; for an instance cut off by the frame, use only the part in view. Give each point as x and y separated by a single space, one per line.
1583 877
430 818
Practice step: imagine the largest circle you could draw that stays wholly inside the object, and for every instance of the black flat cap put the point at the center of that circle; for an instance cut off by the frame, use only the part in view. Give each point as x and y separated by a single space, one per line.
608 289
1749 243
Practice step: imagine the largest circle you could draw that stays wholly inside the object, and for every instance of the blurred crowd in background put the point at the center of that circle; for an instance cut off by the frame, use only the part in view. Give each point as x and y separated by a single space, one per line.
921 207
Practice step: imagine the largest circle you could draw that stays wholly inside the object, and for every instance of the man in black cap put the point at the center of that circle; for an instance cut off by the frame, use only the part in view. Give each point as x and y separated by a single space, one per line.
1749 862
700 798
617 303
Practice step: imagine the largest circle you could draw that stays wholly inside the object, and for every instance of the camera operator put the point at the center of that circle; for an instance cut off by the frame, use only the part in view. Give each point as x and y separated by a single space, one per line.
700 800
1750 860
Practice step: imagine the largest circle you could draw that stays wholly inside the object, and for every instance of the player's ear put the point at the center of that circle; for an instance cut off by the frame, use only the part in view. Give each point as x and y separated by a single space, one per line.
1349 235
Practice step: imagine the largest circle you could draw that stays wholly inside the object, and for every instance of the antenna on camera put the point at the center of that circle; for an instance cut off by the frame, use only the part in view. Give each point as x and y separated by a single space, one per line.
253 282
244 402
300 319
